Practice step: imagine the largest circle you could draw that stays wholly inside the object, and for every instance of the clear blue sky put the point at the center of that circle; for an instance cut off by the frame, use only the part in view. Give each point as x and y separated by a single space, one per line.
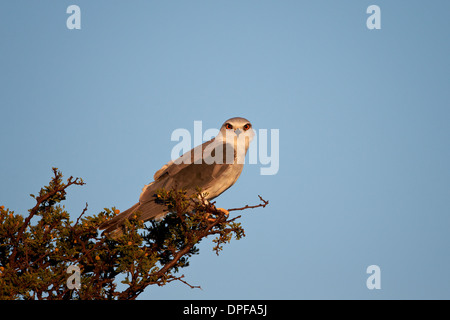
364 120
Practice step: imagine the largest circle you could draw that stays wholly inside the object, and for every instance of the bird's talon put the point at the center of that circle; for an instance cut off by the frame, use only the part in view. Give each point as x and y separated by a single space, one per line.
224 211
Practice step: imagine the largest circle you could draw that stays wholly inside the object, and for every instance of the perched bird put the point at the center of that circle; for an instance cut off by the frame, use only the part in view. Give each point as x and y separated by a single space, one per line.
213 166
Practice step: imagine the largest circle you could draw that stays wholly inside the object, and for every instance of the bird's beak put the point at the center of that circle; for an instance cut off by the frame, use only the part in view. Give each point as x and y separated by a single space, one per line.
238 132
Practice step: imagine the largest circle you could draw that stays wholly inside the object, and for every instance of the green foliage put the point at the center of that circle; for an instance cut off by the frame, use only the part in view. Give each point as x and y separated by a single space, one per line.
34 257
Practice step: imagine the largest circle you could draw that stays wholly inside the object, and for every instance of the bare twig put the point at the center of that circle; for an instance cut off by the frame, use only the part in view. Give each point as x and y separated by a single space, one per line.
263 204
78 219
185 282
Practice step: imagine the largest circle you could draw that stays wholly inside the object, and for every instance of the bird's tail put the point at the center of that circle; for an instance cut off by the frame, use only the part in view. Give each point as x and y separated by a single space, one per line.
112 226
147 211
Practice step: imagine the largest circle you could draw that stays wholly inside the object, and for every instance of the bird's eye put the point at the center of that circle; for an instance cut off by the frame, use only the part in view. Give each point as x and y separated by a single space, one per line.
247 126
228 126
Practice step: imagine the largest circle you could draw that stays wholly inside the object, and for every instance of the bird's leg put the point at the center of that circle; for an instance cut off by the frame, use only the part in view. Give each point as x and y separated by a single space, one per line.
204 201
207 203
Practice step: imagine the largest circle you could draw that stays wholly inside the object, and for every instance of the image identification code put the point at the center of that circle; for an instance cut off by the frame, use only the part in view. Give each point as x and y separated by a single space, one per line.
232 309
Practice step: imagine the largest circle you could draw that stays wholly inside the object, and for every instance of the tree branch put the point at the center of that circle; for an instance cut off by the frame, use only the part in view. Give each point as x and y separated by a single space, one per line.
263 205
40 200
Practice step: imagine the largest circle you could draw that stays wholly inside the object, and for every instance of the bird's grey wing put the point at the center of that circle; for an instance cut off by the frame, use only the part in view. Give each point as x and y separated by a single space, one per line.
172 167
205 175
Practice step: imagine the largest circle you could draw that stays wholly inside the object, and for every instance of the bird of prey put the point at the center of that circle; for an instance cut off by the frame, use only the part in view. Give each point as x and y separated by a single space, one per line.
213 167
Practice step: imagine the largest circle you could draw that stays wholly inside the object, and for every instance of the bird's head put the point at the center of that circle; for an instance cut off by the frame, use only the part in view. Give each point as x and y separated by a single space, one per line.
238 130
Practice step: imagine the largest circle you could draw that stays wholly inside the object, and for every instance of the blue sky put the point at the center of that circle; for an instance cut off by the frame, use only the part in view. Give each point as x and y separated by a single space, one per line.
363 117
